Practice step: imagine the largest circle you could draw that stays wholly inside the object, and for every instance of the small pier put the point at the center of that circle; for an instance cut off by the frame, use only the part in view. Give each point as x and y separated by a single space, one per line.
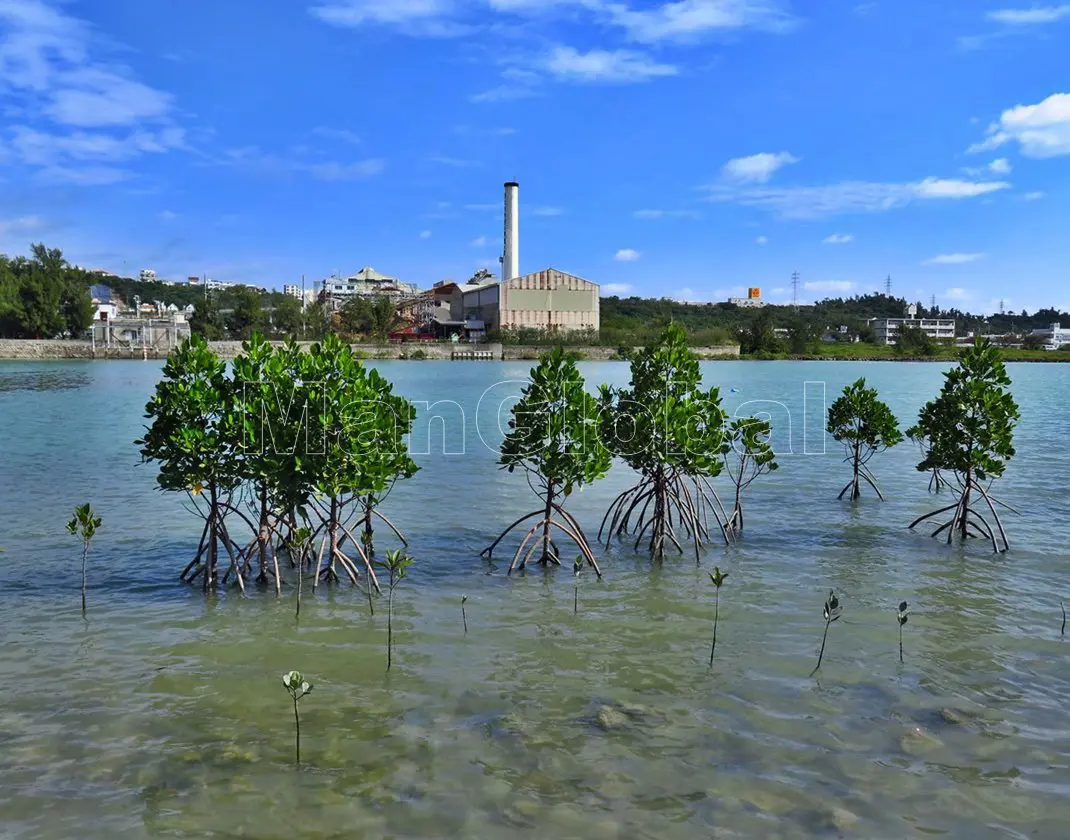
472 356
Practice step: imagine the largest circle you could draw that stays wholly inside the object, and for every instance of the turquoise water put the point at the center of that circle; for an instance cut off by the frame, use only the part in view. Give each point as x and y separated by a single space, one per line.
163 715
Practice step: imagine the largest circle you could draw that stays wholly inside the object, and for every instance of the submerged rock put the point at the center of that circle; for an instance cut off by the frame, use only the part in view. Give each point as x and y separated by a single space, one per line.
610 718
916 741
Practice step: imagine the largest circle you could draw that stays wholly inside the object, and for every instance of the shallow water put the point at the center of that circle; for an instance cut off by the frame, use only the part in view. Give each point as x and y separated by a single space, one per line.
163 714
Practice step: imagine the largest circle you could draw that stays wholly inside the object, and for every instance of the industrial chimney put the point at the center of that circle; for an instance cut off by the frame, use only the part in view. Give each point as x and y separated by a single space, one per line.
511 244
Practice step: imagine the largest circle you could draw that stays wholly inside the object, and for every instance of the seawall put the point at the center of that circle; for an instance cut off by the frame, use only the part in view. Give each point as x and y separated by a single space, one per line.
54 349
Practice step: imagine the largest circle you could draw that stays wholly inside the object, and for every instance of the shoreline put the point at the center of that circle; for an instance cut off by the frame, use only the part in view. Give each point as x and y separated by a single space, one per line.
29 350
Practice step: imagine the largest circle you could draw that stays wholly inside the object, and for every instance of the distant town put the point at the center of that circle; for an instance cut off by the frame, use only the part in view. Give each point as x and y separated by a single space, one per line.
540 307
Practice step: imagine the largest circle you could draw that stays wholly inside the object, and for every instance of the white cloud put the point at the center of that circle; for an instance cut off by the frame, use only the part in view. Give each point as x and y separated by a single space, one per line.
1000 166
40 148
849 196
614 289
168 215
425 234
482 207
570 64
626 255
956 293
1026 17
688 20
683 295
762 240
22 226
756 169
91 97
829 286
53 66
418 18
665 214
953 259
502 93
838 239
479 242
253 159
88 176
546 211
1036 195
1041 130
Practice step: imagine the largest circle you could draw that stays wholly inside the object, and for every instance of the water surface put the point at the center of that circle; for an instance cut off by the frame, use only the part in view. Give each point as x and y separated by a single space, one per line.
163 714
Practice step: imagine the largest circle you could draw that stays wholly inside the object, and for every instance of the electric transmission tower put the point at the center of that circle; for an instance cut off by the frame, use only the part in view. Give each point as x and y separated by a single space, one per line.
795 289
888 286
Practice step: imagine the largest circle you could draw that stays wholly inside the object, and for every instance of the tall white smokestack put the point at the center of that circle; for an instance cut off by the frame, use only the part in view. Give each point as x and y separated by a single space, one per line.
511 245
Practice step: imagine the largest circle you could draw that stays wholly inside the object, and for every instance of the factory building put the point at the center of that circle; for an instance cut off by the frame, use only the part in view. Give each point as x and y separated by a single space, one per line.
548 300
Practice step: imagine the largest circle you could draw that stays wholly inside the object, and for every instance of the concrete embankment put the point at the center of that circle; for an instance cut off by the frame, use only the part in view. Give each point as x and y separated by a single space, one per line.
42 350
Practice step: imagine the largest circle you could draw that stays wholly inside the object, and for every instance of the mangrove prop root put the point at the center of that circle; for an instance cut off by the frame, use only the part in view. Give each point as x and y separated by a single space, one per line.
968 521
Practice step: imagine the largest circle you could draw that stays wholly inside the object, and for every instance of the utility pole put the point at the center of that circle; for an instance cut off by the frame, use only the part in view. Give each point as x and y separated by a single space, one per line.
795 290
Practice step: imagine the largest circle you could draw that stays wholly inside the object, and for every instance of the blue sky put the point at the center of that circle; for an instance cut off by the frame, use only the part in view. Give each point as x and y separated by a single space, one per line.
688 148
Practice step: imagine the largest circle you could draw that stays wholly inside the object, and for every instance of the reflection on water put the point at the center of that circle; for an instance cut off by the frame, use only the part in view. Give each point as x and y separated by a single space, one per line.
43 379
164 715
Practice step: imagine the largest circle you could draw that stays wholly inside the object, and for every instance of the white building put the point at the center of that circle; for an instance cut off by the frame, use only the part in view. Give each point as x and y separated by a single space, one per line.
1055 336
886 330
147 275
367 283
293 291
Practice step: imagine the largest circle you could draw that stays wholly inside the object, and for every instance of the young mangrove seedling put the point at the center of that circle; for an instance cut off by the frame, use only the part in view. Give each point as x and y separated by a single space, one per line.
298 688
577 567
396 565
717 579
832 612
84 525
902 618
299 540
464 614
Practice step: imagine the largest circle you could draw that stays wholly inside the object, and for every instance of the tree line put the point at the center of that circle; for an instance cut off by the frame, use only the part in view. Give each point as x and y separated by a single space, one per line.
41 296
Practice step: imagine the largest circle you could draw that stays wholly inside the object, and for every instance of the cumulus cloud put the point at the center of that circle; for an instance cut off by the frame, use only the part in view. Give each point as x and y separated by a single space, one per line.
838 239
626 255
756 169
614 289
1036 195
957 293
570 64
1000 166
425 234
479 242
762 240
953 259
1041 130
